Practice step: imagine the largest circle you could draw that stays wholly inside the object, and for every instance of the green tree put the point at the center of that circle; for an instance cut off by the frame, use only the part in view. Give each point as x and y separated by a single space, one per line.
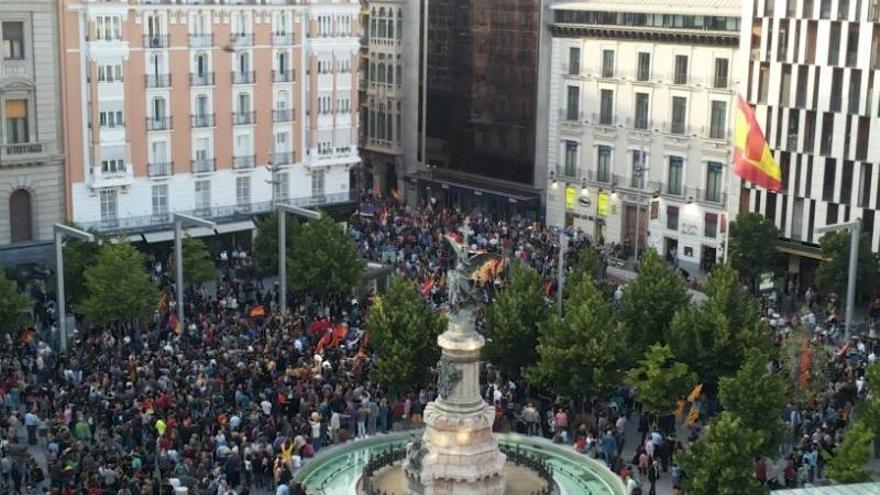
323 259
512 321
588 266
713 338
756 396
198 266
660 380
78 255
403 332
14 307
266 242
753 246
580 357
720 463
833 273
851 456
650 302
119 288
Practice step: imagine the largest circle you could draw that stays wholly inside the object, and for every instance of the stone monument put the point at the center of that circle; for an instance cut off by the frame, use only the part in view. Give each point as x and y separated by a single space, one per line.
458 454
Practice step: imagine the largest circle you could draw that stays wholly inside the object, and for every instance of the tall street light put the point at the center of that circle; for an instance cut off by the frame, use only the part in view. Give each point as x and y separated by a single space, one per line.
61 231
281 211
640 182
855 229
179 220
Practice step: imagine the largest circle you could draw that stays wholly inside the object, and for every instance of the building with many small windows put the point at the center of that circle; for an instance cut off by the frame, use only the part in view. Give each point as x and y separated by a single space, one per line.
209 107
639 134
31 159
812 77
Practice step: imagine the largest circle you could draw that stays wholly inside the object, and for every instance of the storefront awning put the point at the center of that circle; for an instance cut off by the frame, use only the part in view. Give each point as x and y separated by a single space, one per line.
223 228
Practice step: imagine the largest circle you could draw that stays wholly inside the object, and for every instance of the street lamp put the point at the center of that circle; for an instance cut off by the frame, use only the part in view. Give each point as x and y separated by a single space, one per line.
61 231
281 209
179 220
855 229
640 170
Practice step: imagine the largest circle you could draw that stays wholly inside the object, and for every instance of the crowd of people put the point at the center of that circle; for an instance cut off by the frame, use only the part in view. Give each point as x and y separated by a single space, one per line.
237 397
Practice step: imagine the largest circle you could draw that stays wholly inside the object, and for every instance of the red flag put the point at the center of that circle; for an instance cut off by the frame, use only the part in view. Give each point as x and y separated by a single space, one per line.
427 285
258 311
325 339
174 323
339 334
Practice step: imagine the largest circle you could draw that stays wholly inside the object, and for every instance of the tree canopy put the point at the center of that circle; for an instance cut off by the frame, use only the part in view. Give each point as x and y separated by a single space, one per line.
14 307
660 380
581 355
650 302
720 462
119 288
512 321
753 246
833 273
322 259
78 255
198 266
266 242
403 331
848 465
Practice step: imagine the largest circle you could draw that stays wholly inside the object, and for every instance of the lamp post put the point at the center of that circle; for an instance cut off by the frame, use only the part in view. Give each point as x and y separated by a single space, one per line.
281 210
61 231
640 170
179 220
855 229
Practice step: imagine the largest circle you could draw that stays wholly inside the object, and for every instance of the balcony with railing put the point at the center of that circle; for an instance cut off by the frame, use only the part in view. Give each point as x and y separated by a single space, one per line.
201 40
285 115
157 80
243 77
282 39
203 165
201 78
243 162
202 120
159 169
244 118
241 39
115 176
282 76
156 41
283 158
158 123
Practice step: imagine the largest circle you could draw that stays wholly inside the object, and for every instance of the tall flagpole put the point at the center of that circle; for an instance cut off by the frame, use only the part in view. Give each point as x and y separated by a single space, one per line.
730 174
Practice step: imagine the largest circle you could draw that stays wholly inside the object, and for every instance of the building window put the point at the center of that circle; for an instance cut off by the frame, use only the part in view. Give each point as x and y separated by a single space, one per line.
243 190
203 195
13 40
721 77
641 121
718 125
607 63
112 118
573 109
673 182
17 130
606 107
108 28
672 217
679 111
711 225
282 186
109 207
113 166
713 182
637 180
317 183
110 73
571 152
603 164
20 216
681 69
574 60
644 72
160 200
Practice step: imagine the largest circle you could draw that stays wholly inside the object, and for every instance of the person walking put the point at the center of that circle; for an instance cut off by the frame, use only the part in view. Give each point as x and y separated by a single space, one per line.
32 422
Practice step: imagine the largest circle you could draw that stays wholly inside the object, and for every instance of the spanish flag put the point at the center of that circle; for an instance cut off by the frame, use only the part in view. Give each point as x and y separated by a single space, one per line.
752 159
174 323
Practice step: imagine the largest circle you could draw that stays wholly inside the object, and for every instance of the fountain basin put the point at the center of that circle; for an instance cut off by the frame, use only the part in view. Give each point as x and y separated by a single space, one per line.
337 470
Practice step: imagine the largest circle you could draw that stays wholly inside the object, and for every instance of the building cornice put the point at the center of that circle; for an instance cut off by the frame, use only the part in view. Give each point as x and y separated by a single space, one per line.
678 36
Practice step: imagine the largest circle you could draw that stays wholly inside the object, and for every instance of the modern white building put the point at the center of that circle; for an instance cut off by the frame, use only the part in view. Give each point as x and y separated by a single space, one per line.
812 74
639 133
211 107
31 158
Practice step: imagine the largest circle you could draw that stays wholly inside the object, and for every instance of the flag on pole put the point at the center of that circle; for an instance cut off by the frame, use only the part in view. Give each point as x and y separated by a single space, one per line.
752 159
695 393
174 323
693 415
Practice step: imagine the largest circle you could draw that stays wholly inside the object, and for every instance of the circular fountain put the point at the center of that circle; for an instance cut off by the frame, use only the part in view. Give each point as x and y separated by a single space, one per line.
456 453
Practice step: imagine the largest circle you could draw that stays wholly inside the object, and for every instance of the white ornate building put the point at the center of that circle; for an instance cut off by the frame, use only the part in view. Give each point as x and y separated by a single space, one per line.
640 98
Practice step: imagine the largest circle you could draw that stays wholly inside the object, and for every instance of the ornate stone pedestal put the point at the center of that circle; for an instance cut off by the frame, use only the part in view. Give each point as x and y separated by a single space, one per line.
457 454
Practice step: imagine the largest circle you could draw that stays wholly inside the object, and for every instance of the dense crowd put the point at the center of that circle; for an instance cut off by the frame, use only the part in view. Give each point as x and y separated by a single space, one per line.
237 397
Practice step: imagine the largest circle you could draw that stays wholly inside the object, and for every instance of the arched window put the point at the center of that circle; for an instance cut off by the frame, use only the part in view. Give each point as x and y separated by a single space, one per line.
372 71
390 74
399 23
381 72
390 29
20 216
